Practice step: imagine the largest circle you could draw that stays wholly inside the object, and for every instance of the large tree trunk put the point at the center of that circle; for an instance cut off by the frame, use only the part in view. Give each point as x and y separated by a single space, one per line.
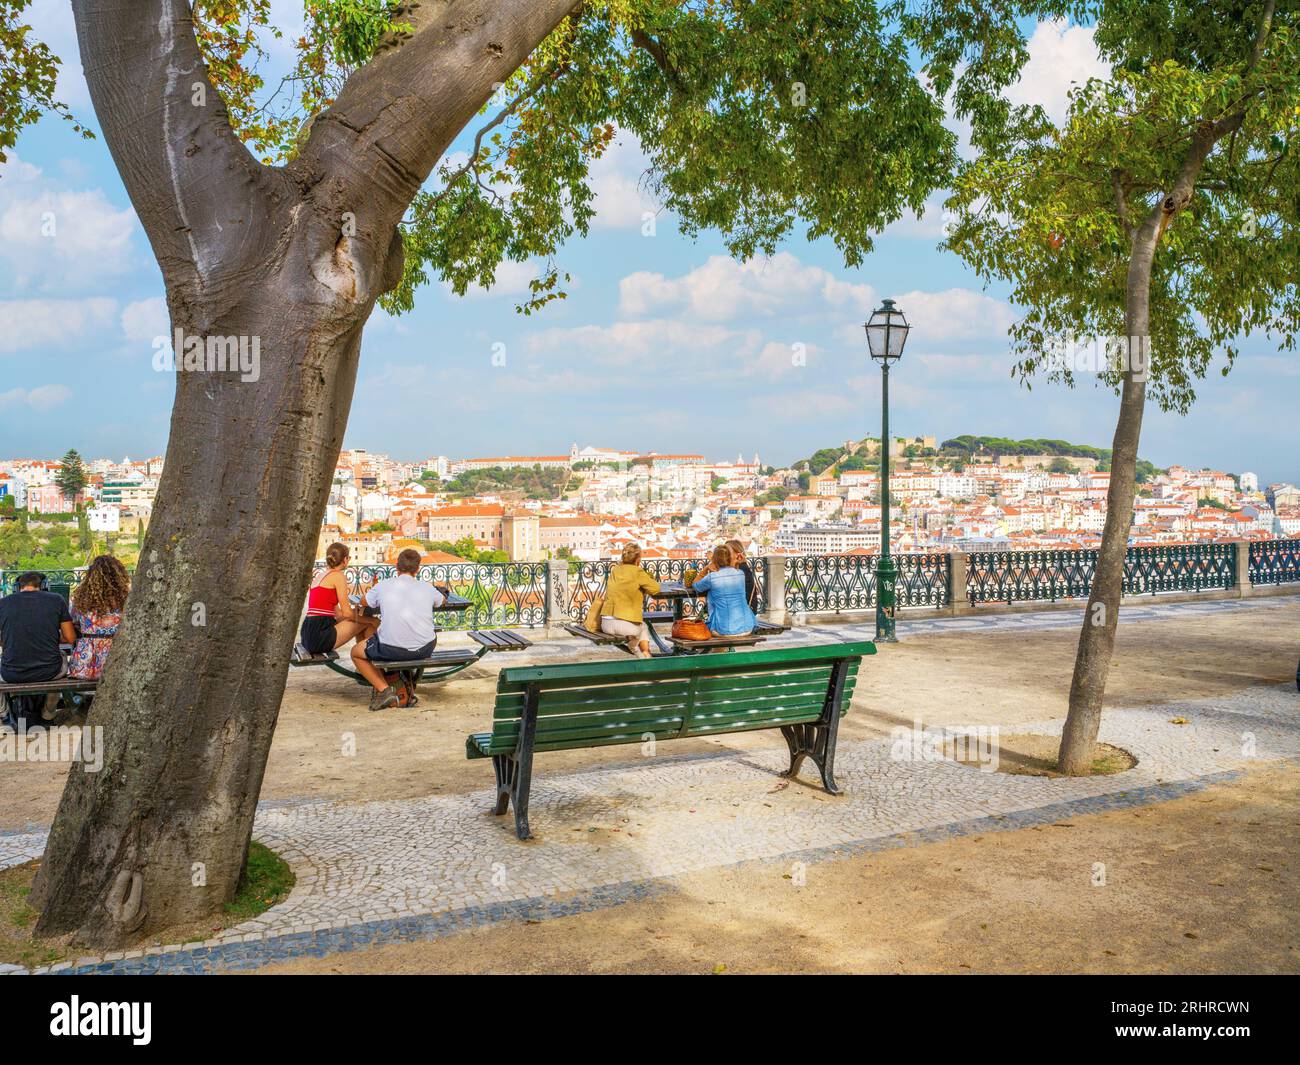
189 702
296 258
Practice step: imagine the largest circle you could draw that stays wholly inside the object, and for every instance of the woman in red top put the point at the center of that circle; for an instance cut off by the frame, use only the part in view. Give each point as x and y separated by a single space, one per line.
331 621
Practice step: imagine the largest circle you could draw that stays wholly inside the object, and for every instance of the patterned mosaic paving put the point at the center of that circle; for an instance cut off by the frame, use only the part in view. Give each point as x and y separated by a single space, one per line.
395 871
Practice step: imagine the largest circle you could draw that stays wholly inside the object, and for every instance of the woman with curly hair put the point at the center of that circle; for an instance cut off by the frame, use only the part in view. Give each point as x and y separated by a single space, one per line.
97 606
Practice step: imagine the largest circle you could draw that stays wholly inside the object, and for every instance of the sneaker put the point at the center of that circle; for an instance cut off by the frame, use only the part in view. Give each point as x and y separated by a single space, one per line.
382 700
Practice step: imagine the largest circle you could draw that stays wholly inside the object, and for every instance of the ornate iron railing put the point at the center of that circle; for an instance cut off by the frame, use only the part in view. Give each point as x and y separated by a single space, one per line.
1179 568
1035 576
1028 576
57 580
587 581
840 583
503 593
1275 561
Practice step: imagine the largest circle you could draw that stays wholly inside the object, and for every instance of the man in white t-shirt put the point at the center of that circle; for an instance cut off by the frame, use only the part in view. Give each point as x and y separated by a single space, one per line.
406 630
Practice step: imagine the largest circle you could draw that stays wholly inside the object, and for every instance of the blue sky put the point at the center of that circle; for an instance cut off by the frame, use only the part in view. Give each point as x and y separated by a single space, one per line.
663 344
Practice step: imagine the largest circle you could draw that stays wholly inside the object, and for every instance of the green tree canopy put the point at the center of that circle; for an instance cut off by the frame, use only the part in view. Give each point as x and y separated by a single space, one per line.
754 115
1052 211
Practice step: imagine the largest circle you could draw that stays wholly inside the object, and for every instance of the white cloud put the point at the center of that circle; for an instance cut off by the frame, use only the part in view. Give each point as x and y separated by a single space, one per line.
1060 57
929 225
965 369
52 239
621 199
512 279
724 290
650 344
144 320
40 398
956 314
14 170
44 323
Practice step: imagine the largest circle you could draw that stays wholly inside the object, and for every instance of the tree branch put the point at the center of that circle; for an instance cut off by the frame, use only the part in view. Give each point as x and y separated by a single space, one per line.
397 115
647 43
510 108
199 193
1121 202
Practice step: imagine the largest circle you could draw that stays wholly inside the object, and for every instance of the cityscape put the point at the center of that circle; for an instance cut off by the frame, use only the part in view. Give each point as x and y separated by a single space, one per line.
965 494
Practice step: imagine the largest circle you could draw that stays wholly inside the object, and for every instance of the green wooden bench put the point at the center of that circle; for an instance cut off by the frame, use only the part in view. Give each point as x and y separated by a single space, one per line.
803 691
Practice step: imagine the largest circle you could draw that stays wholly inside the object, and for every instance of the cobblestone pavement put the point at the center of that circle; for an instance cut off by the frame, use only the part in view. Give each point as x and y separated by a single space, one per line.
379 872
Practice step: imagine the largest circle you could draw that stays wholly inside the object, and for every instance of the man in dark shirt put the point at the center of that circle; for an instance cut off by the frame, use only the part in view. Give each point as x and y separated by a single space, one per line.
32 624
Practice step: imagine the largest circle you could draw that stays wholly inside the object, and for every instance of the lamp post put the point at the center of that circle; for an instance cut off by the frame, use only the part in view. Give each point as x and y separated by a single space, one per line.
887 331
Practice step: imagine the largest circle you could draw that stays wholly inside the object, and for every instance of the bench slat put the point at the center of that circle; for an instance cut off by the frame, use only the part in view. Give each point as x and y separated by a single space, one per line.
49 687
568 700
644 668
500 639
594 637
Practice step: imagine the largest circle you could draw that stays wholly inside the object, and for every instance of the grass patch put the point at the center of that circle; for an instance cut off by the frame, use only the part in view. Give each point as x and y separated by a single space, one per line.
1036 756
267 880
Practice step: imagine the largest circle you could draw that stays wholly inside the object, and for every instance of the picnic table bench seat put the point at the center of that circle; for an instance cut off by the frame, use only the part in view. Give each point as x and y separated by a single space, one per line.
717 641
803 691
14 696
597 637
411 671
49 687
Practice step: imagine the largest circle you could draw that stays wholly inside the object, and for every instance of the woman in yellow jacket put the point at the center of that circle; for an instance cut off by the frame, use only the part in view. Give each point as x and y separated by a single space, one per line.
624 611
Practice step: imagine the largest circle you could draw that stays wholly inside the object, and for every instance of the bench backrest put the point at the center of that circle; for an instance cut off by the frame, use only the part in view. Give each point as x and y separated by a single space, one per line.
602 703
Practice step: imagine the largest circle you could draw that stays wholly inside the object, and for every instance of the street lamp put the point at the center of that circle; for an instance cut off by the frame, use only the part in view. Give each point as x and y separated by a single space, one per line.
887 331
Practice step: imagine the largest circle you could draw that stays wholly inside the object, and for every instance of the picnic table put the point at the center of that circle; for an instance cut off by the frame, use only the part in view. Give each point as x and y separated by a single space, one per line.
676 593
438 666
450 602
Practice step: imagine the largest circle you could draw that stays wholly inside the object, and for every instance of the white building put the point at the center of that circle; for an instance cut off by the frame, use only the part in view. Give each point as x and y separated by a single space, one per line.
106 518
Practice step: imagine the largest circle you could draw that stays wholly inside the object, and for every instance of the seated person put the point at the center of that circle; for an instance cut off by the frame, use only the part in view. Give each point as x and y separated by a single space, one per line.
331 620
32 625
406 629
624 611
729 610
96 610
741 563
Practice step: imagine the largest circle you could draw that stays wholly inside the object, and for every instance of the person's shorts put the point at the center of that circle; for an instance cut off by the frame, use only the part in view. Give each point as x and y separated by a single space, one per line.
318 635
62 671
381 652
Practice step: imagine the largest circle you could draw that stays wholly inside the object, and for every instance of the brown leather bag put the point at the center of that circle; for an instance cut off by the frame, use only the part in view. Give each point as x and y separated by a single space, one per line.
690 629
592 621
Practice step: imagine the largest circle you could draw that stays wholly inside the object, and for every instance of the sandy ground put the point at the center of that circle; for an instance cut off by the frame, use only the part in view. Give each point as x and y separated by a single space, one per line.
1202 884
958 678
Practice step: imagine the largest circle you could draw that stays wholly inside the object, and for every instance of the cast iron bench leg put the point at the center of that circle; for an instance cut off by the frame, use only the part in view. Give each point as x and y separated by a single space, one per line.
817 739
514 772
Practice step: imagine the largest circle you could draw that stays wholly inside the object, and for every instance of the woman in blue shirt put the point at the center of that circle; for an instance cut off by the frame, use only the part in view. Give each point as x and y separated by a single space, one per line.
729 610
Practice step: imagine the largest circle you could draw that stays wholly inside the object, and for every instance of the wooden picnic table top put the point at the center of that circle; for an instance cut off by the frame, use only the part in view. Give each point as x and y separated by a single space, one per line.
450 602
675 590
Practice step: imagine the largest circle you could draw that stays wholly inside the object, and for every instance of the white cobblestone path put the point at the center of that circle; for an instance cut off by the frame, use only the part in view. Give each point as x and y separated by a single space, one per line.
664 816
